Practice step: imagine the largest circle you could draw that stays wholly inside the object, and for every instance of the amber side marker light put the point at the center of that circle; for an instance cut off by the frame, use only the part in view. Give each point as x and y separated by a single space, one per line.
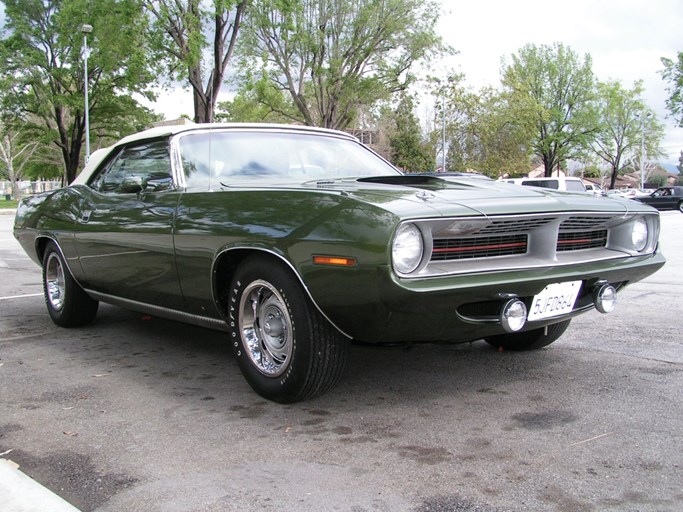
337 261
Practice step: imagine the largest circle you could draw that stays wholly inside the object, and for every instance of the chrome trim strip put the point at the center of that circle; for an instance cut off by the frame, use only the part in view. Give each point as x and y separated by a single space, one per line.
284 260
171 314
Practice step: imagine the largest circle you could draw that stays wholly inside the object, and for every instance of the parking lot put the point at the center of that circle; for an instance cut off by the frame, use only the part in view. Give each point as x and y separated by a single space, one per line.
141 414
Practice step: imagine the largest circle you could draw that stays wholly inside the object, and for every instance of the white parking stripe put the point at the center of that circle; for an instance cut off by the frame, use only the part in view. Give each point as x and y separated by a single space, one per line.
21 296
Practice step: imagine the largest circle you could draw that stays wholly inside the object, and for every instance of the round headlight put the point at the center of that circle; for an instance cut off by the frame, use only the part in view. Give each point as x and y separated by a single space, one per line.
407 249
639 235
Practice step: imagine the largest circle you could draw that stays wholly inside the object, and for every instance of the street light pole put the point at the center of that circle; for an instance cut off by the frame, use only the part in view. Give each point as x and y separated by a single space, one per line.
86 29
642 150
443 133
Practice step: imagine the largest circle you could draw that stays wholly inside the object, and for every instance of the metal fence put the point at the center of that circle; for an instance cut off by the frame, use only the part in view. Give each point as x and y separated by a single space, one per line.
28 187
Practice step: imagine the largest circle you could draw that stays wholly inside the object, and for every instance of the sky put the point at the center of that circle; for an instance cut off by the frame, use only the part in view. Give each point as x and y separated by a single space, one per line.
625 39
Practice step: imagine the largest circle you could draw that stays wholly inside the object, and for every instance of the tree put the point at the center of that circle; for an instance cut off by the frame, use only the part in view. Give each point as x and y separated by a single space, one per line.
183 28
15 153
673 73
40 63
625 125
484 133
325 58
246 107
556 89
408 150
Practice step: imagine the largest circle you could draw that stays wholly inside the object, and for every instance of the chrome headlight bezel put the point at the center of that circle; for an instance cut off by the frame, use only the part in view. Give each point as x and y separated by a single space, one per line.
407 248
640 234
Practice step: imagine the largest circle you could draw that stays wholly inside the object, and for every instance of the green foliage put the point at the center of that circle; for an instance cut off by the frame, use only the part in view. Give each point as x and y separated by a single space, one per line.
332 57
41 65
246 107
484 132
551 86
408 150
656 181
592 171
673 74
185 32
626 127
20 152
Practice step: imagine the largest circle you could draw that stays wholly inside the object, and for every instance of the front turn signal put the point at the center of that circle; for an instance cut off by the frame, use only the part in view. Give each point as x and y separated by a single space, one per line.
335 261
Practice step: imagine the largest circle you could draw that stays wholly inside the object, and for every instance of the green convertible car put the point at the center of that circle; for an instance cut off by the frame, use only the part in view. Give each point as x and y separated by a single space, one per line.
297 241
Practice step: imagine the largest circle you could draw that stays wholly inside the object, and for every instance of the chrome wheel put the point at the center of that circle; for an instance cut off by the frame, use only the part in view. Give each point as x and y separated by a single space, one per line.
266 328
54 282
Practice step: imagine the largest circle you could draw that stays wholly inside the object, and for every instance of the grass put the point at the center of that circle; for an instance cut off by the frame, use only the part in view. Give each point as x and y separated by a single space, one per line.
8 204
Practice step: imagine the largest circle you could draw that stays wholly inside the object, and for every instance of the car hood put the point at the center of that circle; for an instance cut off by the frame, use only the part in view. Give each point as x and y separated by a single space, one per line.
415 196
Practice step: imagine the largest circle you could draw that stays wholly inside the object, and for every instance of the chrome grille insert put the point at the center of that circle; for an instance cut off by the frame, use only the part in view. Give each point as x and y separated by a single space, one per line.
478 247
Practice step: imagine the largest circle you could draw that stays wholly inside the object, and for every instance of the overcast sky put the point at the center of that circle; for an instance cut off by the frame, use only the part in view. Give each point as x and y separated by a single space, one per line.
625 38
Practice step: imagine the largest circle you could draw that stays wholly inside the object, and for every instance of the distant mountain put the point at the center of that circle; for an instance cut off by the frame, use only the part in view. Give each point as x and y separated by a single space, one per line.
670 168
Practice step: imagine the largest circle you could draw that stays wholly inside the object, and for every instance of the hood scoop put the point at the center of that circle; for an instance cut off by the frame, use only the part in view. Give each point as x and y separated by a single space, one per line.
408 180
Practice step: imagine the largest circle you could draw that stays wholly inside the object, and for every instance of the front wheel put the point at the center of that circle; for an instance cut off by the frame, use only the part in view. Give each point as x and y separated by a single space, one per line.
67 303
680 206
286 350
529 340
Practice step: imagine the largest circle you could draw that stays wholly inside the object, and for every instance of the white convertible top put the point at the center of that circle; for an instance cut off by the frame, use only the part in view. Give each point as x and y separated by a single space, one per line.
165 131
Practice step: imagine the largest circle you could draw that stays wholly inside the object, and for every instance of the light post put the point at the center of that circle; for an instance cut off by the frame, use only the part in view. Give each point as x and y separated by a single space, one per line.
642 149
86 29
443 133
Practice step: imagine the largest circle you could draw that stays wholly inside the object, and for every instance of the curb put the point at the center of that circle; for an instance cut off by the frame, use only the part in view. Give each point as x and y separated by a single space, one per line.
21 493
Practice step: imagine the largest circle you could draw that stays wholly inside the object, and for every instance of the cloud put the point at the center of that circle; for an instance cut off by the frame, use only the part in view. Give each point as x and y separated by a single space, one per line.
625 38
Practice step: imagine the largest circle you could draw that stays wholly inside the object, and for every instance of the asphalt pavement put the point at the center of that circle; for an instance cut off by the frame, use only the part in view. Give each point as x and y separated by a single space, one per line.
135 413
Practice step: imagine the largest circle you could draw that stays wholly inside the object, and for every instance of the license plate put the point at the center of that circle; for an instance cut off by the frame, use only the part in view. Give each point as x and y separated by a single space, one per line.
554 300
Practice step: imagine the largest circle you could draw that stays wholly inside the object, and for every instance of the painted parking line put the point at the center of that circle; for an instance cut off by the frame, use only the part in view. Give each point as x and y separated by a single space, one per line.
22 296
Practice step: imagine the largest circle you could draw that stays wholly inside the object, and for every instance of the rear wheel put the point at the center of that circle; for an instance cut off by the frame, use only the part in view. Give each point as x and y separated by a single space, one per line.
285 348
680 206
67 303
529 340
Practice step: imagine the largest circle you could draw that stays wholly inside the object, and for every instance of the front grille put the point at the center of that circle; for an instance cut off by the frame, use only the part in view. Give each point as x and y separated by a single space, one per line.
478 247
575 241
587 223
478 244
520 225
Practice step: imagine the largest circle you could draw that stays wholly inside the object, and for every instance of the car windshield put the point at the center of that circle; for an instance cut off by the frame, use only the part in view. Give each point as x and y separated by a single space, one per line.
225 157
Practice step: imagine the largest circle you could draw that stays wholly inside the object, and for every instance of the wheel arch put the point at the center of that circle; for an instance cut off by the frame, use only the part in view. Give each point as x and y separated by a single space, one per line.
41 245
229 259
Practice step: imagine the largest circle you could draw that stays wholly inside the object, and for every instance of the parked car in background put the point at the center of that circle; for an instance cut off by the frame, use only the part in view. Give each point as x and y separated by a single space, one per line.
561 183
665 198
594 189
297 241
